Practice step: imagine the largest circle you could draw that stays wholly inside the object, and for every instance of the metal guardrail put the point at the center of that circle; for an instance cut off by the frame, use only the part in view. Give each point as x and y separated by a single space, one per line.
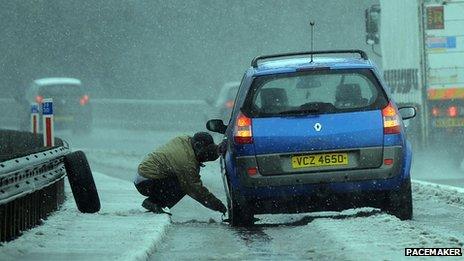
31 187
22 175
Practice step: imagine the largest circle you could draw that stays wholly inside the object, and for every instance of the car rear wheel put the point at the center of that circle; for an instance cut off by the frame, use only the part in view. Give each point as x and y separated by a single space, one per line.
399 202
240 215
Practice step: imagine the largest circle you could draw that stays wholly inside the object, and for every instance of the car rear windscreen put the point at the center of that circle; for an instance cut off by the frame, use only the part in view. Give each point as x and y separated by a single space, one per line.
315 92
64 90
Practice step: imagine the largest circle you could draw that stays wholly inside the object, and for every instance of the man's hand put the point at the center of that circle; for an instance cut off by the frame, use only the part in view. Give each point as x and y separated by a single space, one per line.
222 147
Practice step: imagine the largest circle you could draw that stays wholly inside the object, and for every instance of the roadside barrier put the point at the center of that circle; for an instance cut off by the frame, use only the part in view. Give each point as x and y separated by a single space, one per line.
31 181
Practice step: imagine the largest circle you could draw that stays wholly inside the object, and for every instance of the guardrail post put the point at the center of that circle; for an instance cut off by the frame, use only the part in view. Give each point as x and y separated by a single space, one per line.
2 223
16 217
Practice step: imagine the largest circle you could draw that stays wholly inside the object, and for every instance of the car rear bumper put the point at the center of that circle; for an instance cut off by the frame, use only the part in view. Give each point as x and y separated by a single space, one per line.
383 172
323 191
318 197
319 200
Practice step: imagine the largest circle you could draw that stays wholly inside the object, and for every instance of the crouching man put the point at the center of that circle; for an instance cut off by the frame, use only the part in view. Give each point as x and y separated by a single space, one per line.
172 171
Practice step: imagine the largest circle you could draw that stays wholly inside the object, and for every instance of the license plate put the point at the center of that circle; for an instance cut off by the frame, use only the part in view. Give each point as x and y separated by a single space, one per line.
319 160
443 123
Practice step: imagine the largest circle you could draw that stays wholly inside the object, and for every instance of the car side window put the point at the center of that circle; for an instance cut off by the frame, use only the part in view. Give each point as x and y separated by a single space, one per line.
368 91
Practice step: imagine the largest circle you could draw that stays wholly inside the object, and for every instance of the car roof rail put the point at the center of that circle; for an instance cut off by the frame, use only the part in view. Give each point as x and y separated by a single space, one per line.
254 62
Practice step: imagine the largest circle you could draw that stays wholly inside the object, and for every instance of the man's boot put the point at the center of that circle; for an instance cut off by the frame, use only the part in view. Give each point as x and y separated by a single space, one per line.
151 206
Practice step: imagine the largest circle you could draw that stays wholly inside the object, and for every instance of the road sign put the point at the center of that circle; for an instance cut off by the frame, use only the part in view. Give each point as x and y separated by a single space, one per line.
35 118
47 116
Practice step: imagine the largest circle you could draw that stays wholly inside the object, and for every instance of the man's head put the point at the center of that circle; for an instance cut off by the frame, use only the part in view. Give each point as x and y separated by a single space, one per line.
204 147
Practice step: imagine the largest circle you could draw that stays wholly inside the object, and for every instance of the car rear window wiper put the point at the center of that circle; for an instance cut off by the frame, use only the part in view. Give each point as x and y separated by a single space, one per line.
300 111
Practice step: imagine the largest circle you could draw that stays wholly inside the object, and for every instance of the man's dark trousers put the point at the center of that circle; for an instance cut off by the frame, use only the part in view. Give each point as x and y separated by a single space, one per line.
163 192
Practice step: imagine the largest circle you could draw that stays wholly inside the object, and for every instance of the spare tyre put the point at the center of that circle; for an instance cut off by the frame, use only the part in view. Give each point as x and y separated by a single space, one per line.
81 182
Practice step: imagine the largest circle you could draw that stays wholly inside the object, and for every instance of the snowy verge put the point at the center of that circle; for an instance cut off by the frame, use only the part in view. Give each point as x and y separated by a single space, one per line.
449 194
122 230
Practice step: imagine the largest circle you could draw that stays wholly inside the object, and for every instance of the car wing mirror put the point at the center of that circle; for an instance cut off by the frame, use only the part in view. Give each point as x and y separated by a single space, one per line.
407 112
216 125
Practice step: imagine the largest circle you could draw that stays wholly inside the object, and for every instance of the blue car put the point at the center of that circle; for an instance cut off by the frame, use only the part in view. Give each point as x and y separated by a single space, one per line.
311 133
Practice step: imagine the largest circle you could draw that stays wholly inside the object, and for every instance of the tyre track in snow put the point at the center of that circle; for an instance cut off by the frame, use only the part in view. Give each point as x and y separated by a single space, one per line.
360 234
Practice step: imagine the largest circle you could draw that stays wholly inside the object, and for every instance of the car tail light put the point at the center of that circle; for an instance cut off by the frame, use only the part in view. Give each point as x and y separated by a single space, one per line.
391 120
242 130
388 161
252 171
435 111
84 100
39 99
453 111
229 104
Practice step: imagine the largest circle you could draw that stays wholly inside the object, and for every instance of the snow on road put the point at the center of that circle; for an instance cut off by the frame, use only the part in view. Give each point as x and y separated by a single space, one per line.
357 234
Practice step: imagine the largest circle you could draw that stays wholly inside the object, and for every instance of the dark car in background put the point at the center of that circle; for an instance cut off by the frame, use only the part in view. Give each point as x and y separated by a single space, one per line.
71 106
315 134
225 101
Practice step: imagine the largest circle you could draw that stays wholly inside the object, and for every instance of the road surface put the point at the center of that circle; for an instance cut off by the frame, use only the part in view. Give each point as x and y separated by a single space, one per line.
198 233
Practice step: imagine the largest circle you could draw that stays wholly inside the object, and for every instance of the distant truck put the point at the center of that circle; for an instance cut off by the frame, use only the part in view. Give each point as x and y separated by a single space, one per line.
422 47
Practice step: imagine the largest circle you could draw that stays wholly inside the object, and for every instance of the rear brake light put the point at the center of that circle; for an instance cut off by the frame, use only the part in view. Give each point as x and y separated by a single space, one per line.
388 161
453 111
252 171
391 120
39 99
242 130
84 100
435 111
229 104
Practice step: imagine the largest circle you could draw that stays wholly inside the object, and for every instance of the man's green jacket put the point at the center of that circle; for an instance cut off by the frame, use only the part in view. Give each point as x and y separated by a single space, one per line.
176 158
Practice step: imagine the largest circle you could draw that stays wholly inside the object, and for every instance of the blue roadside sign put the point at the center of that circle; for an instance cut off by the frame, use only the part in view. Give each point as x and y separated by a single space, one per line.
447 42
47 107
34 108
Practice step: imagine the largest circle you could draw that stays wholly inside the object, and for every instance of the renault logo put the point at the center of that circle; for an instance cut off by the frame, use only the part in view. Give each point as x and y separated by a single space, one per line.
317 126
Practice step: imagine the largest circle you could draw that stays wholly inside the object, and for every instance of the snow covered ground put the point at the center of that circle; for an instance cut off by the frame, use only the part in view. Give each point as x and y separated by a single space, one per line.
356 234
122 230
368 234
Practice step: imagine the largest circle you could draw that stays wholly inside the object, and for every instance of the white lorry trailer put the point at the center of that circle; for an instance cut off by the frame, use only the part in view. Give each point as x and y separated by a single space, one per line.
422 47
